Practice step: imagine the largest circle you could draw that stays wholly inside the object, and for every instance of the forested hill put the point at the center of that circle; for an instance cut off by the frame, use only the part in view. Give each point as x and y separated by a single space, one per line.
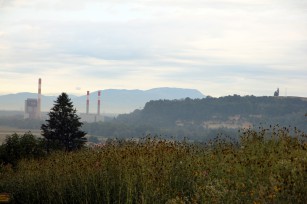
229 111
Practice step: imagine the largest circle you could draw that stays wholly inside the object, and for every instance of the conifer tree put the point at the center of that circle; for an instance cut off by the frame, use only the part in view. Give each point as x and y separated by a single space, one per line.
62 129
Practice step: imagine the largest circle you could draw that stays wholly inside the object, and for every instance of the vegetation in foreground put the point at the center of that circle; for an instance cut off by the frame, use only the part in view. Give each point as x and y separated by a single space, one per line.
266 166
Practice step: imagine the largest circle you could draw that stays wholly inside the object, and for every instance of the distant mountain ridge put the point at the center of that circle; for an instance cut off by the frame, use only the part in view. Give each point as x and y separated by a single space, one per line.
112 100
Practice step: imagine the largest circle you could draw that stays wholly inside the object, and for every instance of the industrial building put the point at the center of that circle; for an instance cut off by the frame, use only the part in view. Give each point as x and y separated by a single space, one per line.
33 106
91 117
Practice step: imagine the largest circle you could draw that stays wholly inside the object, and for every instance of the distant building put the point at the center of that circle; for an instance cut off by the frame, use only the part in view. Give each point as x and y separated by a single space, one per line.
31 109
33 105
91 118
276 93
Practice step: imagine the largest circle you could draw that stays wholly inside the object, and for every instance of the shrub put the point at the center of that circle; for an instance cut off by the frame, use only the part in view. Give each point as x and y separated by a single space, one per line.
17 147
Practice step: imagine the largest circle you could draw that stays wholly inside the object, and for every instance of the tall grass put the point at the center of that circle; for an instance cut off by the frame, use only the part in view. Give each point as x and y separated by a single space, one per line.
266 166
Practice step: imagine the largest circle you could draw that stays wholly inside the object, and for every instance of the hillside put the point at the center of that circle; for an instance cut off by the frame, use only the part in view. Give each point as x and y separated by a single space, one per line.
112 100
230 112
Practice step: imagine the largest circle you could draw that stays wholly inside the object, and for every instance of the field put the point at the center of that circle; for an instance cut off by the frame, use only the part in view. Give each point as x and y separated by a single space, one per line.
5 131
267 166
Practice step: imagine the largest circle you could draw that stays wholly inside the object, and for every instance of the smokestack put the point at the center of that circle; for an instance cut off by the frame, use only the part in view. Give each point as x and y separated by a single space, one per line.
87 102
98 110
39 99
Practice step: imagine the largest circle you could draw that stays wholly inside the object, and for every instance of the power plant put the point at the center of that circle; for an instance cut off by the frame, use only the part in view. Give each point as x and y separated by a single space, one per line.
31 108
33 105
91 117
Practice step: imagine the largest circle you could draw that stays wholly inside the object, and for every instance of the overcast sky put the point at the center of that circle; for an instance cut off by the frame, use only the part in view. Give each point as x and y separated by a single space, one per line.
220 47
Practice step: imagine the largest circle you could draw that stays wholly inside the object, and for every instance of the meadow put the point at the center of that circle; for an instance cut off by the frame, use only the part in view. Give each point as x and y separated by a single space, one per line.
265 166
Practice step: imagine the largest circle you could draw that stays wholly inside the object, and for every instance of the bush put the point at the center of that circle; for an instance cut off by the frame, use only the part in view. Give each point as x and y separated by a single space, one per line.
17 147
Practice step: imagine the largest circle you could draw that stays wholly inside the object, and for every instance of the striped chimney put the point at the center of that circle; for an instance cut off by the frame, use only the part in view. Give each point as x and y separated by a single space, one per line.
87 102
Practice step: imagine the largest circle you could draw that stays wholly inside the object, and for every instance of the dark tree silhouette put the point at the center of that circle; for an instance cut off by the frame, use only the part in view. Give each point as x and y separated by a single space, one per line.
17 147
276 93
62 129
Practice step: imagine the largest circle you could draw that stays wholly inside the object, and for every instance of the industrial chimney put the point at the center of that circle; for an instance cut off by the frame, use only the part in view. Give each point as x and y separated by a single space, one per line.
98 108
39 98
87 102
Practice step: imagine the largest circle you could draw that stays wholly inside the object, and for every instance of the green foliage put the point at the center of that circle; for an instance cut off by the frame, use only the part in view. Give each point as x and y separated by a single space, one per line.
62 130
17 147
122 130
271 110
266 166
191 118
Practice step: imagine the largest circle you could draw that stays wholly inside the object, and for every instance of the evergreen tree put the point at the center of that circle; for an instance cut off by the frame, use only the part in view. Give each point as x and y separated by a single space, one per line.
62 129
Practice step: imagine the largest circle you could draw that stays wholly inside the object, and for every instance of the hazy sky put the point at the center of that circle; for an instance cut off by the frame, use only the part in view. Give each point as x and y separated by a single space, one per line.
220 47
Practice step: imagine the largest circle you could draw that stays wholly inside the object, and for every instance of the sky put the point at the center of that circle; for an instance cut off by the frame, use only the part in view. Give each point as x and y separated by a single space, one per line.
219 47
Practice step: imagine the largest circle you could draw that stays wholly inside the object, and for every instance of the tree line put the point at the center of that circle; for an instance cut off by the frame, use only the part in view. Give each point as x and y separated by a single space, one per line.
185 118
160 118
62 131
251 108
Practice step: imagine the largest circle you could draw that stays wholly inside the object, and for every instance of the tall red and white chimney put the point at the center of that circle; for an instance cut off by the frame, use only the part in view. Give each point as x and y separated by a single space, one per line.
39 98
98 110
87 102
